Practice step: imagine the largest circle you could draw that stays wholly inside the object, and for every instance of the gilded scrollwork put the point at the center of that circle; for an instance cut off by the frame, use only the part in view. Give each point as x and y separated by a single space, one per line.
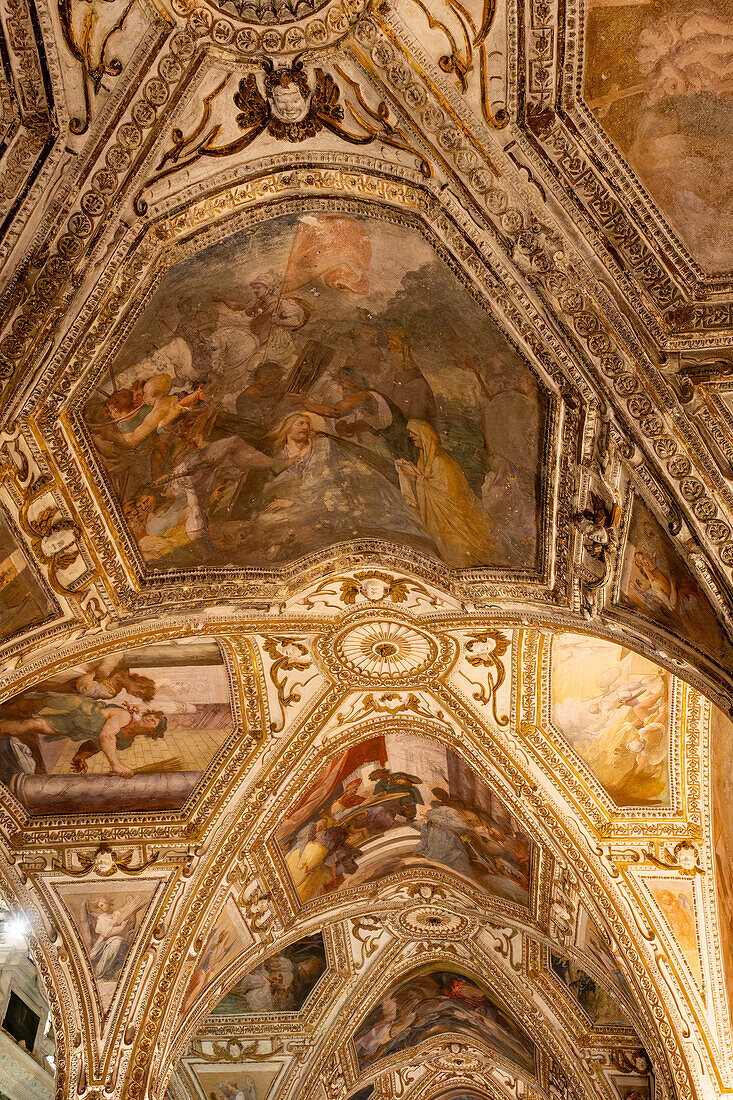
390 703
256 904
287 655
294 108
234 1051
372 586
357 655
683 857
89 46
563 905
54 536
367 931
486 649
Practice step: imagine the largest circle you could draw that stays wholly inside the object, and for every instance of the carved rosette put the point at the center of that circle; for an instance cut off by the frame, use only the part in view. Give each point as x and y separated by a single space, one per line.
387 650
432 923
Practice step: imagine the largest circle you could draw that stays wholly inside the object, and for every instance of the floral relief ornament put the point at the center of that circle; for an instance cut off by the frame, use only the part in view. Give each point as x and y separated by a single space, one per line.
234 1051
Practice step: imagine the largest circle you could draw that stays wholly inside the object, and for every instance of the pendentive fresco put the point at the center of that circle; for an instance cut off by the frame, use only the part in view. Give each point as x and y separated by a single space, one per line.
281 984
434 1001
658 80
613 707
368 814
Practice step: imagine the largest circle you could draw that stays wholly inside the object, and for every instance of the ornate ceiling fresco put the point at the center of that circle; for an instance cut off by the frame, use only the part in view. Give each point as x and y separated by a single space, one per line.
366 543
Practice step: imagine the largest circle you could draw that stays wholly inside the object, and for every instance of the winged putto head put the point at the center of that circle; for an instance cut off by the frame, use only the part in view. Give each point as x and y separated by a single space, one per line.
292 109
288 92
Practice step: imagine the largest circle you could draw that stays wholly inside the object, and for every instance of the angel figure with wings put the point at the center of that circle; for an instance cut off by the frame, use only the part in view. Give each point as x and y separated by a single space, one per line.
293 110
597 525
110 932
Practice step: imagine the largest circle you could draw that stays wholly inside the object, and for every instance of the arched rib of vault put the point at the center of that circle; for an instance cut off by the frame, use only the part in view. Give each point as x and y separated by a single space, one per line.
424 903
182 1035
254 1032
437 1083
459 1088
401 958
238 654
126 605
354 943
551 823
291 616
46 947
452 1070
434 1065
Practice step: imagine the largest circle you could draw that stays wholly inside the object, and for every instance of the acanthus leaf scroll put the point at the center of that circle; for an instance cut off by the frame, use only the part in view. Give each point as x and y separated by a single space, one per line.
82 48
287 655
486 649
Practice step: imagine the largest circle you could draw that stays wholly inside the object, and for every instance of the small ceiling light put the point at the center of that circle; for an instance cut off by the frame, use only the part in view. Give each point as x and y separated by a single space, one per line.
16 929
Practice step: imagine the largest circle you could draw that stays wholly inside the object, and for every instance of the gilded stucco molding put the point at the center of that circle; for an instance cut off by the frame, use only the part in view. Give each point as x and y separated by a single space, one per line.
364 640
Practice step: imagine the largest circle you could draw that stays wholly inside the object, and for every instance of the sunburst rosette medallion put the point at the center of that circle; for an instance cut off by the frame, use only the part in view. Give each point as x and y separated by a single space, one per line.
431 923
385 651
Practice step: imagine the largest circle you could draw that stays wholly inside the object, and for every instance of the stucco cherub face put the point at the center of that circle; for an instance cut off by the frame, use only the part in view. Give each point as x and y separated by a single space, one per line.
288 103
374 589
598 535
104 863
686 856
484 649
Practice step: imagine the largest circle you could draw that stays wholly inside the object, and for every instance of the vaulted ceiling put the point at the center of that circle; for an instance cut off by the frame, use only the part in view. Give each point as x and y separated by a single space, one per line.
366 524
